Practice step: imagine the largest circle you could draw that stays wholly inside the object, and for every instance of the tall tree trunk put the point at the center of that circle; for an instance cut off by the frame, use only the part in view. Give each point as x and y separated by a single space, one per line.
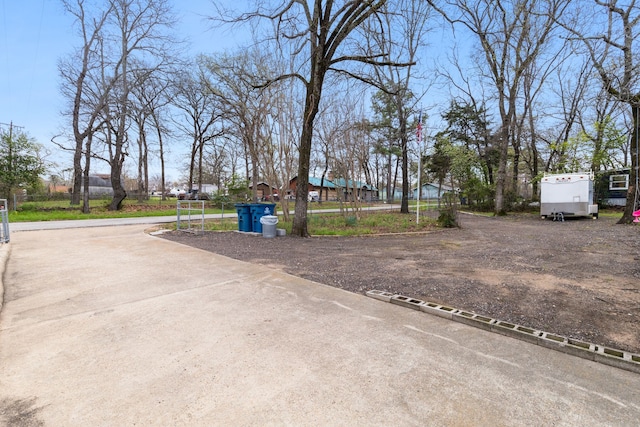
192 162
395 177
117 160
501 178
535 162
200 159
390 185
119 193
77 171
627 216
255 161
516 165
311 104
145 169
404 204
161 148
140 179
87 163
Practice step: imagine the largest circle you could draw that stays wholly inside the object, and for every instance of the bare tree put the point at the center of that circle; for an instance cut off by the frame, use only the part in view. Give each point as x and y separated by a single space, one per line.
153 96
603 141
288 110
322 35
608 30
245 108
386 130
536 79
201 114
280 157
87 99
140 117
570 92
341 150
511 35
149 98
330 123
402 36
140 31
217 162
469 102
128 37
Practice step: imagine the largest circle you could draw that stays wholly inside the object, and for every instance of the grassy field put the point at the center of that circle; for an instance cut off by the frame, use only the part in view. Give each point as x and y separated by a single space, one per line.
368 222
61 210
335 224
319 223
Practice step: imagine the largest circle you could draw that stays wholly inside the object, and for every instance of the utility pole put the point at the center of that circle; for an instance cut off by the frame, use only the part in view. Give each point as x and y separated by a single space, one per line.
11 126
10 142
10 152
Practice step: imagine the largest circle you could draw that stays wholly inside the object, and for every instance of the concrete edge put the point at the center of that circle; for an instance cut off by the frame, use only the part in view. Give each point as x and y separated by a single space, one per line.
597 353
5 248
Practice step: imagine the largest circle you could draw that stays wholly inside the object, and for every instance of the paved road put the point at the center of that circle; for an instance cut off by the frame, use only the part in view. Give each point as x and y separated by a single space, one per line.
111 326
57 225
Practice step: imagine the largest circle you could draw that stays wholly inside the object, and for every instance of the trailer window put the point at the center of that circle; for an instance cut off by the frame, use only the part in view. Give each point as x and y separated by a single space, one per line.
619 182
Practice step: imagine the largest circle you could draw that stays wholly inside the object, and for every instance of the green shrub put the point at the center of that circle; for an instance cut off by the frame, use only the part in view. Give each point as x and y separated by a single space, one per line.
28 207
220 200
351 221
448 218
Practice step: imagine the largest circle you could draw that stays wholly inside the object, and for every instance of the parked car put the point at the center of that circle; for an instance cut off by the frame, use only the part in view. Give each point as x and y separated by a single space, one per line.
314 196
193 195
175 192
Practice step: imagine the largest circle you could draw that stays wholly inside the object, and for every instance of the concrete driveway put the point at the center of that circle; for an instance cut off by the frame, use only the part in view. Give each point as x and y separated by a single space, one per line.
110 326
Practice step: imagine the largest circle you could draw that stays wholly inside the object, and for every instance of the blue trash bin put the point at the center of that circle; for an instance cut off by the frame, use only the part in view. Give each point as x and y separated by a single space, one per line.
244 217
258 210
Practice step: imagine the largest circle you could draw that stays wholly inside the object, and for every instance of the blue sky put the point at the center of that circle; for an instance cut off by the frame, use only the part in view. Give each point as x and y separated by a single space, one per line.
34 34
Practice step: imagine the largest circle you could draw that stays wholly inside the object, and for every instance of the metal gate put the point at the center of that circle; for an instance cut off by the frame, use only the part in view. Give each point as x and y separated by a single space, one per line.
4 215
190 215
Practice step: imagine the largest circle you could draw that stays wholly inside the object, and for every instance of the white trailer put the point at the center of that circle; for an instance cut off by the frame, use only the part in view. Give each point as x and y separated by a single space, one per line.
567 194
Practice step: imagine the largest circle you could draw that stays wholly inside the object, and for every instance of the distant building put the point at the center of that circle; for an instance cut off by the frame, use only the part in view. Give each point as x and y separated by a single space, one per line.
58 189
325 188
611 187
337 189
432 191
99 185
265 191
396 193
356 189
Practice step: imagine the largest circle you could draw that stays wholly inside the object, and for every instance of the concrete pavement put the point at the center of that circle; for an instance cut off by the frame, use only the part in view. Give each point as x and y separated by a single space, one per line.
105 222
110 326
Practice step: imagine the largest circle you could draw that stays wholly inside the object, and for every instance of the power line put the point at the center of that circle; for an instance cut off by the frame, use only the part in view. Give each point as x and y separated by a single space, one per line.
11 126
36 55
5 43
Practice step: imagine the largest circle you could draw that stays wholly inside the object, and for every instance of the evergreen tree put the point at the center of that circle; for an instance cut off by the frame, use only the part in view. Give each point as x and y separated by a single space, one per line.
20 163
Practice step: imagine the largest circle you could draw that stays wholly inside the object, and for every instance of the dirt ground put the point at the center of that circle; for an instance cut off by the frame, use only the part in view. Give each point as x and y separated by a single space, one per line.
579 278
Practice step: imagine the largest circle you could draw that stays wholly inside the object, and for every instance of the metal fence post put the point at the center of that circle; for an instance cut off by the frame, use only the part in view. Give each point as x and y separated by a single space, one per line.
4 214
192 210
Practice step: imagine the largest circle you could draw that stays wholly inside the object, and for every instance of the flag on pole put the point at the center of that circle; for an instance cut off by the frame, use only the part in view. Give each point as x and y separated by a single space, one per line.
419 188
419 129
